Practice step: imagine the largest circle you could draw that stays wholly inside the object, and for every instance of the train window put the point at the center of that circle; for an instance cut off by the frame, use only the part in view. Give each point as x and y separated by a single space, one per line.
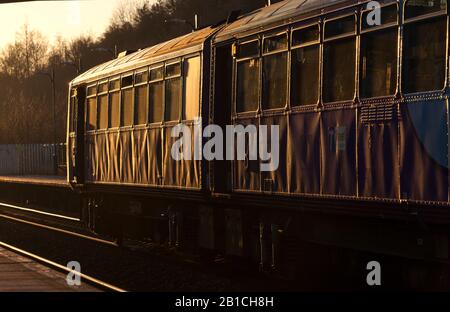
114 111
91 90
378 69
141 104
172 91
173 70
415 8
114 84
73 113
305 75
339 62
275 43
340 27
172 99
102 102
389 16
307 35
103 87
141 77
424 55
127 107
91 113
275 72
248 49
127 81
192 73
156 101
156 73
247 97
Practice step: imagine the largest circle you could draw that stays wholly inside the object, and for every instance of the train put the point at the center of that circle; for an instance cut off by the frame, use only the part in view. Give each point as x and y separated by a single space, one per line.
361 105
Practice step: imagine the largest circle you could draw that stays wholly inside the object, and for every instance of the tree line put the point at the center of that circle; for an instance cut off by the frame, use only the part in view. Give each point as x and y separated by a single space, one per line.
25 86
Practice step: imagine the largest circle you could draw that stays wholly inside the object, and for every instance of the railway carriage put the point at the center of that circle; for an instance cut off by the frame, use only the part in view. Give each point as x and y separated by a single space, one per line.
362 109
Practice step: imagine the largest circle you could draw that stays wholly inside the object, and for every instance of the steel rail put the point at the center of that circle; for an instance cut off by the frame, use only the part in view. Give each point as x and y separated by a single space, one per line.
92 280
51 228
39 212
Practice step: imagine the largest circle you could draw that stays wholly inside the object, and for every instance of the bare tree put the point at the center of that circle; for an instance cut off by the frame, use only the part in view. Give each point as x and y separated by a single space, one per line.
125 12
26 55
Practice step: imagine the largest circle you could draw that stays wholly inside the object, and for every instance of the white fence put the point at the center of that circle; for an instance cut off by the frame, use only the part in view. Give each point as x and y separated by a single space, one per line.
31 159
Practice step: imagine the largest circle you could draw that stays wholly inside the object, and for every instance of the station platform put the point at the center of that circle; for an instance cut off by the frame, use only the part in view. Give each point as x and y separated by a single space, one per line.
60 181
21 274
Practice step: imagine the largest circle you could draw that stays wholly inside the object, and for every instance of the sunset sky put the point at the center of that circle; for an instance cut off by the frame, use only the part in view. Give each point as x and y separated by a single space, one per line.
68 19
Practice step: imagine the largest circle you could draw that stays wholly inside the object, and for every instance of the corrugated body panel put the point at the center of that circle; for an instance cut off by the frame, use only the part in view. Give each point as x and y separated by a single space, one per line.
113 157
304 153
180 173
338 150
277 181
171 167
140 162
135 156
191 168
154 155
103 163
126 173
246 173
378 169
424 150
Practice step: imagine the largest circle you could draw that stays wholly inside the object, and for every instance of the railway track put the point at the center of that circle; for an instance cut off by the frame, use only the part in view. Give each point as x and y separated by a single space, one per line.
50 221
24 215
55 240
52 264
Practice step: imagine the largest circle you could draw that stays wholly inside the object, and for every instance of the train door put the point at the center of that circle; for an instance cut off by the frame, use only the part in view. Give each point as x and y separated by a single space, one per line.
76 136
222 112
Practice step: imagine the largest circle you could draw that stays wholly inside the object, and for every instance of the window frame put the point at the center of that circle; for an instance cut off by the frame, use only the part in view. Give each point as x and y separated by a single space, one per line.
342 36
102 82
183 77
87 110
150 82
112 91
354 35
247 41
166 78
122 88
372 30
382 26
140 84
310 43
263 54
422 18
236 62
319 42
273 35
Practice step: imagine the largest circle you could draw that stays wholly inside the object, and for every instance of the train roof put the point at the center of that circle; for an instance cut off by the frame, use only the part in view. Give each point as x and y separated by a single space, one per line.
189 43
276 14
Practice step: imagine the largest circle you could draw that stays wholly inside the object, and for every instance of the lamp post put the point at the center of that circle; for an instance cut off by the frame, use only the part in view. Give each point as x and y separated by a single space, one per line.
51 76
